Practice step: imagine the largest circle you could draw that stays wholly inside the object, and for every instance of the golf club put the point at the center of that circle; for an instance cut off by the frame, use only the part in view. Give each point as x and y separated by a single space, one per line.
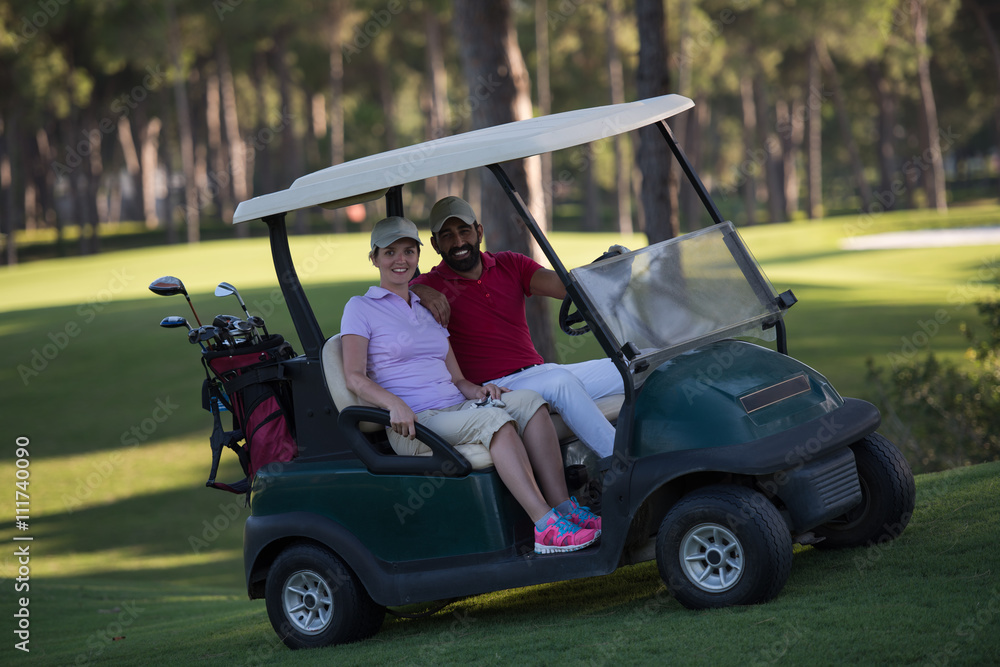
225 289
257 322
169 286
208 332
175 321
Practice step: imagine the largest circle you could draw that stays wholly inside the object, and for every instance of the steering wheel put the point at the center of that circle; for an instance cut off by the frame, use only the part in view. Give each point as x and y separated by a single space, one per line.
567 320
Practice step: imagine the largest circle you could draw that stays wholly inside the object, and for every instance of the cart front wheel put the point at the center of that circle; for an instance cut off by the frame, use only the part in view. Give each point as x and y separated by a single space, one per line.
723 546
314 600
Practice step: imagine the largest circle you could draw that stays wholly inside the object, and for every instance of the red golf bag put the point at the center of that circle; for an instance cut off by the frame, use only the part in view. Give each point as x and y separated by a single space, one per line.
249 382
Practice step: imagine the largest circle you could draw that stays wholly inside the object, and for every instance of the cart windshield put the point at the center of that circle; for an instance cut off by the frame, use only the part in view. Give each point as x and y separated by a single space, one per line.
677 295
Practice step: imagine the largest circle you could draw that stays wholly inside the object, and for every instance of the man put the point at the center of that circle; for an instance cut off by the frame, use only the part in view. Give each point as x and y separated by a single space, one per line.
480 297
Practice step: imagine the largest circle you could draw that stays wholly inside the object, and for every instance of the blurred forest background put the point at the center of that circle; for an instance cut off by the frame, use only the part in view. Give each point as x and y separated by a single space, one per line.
154 118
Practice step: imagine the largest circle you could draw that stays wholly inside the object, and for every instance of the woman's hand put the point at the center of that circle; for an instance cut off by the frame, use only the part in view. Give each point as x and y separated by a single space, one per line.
402 420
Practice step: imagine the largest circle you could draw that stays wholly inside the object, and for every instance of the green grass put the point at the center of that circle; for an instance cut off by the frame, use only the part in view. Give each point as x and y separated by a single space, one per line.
128 543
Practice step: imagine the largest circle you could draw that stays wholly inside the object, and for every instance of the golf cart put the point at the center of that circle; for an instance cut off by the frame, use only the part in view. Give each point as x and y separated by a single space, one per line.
726 451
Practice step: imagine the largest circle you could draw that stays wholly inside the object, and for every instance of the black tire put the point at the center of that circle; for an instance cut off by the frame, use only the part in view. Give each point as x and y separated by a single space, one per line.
722 546
314 600
888 496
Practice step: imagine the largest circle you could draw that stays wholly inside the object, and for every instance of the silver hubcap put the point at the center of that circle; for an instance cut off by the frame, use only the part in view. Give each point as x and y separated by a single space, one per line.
307 602
712 557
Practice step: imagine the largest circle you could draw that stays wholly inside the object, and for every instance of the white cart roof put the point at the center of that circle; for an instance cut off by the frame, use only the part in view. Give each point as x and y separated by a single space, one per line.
370 177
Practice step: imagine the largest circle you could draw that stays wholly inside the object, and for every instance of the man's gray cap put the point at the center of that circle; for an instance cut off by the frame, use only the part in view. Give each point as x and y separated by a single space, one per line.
451 207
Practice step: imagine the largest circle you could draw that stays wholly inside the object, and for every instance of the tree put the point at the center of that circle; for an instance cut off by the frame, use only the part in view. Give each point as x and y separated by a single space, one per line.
993 44
930 140
652 80
498 83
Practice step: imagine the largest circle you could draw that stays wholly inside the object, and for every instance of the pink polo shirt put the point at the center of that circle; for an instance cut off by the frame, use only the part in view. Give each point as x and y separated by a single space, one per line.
407 348
489 331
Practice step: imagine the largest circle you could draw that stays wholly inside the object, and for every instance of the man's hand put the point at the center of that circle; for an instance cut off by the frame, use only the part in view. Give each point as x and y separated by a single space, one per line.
490 390
435 302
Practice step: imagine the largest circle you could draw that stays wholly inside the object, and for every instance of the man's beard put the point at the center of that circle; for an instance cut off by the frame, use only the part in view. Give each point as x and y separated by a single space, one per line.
462 265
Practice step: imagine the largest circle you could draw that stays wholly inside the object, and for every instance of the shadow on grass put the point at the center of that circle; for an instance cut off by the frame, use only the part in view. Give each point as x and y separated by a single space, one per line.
97 376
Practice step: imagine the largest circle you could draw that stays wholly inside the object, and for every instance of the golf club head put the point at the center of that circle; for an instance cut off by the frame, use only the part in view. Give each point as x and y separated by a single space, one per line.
167 286
225 289
224 321
208 332
174 321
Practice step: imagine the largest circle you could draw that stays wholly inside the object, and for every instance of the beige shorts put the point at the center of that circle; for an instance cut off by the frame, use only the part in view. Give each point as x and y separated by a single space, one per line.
460 424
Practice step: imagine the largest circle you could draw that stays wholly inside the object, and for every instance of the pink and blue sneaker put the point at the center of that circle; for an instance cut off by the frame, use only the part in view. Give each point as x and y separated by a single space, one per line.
561 535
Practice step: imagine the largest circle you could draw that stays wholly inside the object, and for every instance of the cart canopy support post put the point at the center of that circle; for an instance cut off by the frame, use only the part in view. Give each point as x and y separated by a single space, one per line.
306 325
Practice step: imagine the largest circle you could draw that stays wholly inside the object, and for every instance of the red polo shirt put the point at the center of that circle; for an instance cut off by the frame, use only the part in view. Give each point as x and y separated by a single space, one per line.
489 331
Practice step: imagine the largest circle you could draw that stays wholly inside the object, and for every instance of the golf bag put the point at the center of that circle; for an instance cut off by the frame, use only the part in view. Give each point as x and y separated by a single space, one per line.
249 382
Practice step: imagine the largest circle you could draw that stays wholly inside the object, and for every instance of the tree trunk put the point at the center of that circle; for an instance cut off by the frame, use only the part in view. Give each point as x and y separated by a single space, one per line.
623 188
814 138
236 149
291 158
931 142
45 179
857 168
437 100
886 126
994 47
750 166
772 154
149 137
496 75
336 112
591 194
192 215
653 79
93 168
260 158
790 130
7 198
691 208
544 97
220 180
132 166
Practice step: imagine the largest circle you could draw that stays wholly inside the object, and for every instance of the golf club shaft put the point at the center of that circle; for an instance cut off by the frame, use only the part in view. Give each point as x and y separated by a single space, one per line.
196 318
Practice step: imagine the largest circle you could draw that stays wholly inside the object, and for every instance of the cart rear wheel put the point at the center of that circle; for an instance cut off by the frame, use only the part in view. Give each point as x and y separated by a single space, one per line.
314 600
888 496
723 546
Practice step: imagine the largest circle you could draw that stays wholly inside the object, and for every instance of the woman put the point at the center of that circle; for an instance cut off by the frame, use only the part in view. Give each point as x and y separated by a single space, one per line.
396 356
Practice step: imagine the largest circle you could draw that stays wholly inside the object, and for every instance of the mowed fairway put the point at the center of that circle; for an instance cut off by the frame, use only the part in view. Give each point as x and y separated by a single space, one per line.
133 561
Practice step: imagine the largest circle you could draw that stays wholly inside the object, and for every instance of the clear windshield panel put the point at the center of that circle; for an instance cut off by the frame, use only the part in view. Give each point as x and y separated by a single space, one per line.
682 293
